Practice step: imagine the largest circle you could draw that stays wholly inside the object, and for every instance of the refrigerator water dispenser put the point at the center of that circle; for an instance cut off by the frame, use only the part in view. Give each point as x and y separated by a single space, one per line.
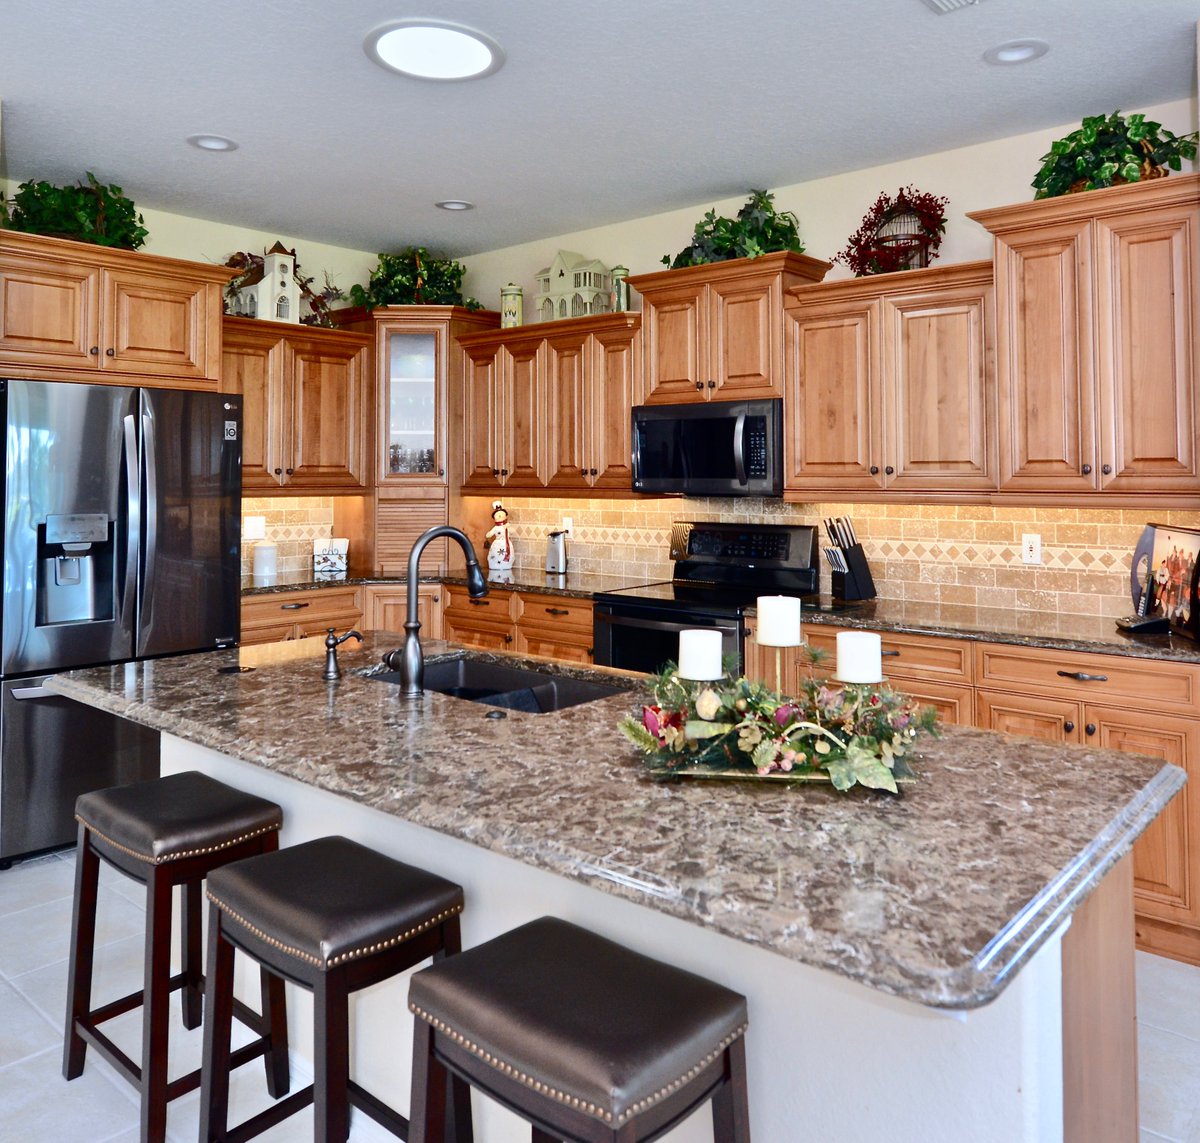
75 569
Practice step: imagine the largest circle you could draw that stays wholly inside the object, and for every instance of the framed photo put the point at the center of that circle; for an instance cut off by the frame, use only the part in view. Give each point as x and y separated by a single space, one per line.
1171 575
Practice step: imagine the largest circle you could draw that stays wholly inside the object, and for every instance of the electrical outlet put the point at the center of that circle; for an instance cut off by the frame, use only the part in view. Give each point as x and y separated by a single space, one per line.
1031 548
567 523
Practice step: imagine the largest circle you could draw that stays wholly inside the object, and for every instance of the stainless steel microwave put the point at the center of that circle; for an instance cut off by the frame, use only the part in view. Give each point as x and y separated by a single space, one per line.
714 448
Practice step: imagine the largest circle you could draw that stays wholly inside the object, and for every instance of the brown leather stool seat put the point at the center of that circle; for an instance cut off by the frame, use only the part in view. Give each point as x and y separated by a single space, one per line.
165 832
584 1038
333 916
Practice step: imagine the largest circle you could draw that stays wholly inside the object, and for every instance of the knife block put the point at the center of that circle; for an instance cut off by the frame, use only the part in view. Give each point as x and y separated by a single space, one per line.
855 583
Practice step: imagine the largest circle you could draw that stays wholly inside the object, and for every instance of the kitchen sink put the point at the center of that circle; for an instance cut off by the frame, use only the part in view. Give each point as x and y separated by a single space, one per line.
514 688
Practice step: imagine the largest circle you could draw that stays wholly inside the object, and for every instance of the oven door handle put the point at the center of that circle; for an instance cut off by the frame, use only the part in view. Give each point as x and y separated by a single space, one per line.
739 447
682 623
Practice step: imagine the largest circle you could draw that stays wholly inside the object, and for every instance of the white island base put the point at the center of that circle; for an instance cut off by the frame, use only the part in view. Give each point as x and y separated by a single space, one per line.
829 1060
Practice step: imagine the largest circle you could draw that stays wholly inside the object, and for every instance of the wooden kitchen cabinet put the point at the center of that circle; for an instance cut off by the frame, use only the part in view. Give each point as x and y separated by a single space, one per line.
545 408
275 616
533 623
385 608
715 332
1144 706
74 311
487 621
890 384
305 405
1097 319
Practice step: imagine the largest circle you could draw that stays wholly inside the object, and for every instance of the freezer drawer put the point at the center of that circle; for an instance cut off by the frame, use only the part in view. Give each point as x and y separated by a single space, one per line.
53 749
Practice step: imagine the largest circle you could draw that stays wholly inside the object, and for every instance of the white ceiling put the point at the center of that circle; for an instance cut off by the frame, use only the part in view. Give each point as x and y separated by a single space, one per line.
605 110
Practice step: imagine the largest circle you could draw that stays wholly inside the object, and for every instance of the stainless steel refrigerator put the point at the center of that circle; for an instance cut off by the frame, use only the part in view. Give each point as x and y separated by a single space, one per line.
121 541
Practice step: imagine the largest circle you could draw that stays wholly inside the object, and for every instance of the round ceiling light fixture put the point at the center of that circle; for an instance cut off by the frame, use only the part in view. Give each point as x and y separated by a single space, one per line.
454 204
433 49
212 142
1016 52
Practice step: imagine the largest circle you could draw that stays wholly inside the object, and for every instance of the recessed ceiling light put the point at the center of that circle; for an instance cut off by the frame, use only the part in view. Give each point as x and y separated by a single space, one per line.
212 142
455 204
433 49
1016 52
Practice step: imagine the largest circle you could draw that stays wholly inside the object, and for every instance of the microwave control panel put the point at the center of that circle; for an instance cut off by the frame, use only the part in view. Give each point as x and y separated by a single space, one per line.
756 448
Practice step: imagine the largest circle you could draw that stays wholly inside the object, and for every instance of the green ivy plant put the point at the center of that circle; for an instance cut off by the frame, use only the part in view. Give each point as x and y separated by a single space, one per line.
758 229
89 212
413 278
1111 149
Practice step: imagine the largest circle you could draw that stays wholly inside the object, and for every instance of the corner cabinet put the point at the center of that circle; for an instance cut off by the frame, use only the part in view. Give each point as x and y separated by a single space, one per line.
714 332
1098 316
305 393
418 364
545 408
76 312
890 384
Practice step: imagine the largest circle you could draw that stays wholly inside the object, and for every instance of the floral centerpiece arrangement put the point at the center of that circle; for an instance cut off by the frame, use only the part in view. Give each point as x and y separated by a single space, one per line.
843 733
898 233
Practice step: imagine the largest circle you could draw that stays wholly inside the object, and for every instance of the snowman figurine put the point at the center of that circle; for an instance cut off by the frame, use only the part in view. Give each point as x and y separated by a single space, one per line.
500 549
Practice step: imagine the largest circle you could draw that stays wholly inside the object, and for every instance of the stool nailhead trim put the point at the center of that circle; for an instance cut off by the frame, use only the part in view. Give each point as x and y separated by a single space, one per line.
565 1097
341 958
162 859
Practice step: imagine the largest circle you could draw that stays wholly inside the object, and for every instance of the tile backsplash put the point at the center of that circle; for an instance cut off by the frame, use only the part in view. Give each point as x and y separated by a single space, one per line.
291 524
949 554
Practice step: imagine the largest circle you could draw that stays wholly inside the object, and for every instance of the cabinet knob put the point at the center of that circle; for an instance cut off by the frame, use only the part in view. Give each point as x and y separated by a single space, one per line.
699 384
504 472
1090 728
95 351
889 470
1106 469
279 472
290 471
441 472
1068 726
592 472
874 470
508 638
1087 470
495 472
712 384
110 352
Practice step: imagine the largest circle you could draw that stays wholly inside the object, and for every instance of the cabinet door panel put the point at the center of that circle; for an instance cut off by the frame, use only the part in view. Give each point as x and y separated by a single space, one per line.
328 403
570 417
49 312
1148 316
159 325
1035 716
481 413
833 356
955 704
525 456
253 368
1045 369
743 349
674 355
614 367
939 391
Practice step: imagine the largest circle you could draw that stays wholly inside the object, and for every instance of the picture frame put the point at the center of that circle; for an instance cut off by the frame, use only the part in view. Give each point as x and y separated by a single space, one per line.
1167 566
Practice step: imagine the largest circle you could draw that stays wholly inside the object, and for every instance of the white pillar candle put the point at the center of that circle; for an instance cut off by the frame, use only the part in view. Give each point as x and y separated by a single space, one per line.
778 621
700 654
859 657
264 564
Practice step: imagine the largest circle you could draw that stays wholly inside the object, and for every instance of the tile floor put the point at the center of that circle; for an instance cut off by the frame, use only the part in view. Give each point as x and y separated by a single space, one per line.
37 1106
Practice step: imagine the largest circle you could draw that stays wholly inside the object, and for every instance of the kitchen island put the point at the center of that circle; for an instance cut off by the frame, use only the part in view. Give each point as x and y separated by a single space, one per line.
905 959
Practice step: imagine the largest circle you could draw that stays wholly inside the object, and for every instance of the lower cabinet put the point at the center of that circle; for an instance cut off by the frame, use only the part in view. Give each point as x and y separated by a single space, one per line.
554 626
385 608
276 616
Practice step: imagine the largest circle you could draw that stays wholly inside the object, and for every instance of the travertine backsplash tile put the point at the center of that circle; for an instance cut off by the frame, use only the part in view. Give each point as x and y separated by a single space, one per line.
292 524
949 554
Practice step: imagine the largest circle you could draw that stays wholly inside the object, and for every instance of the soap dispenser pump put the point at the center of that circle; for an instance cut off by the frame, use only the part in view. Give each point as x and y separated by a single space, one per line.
556 553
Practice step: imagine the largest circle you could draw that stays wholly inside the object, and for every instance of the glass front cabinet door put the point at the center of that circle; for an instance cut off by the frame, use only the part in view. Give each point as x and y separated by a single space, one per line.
412 446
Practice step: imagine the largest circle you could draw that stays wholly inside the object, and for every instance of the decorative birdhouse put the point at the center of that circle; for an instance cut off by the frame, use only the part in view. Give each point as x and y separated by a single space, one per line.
270 290
572 286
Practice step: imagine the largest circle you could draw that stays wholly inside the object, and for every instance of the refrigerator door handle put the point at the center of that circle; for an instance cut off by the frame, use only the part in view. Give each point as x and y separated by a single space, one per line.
150 550
133 523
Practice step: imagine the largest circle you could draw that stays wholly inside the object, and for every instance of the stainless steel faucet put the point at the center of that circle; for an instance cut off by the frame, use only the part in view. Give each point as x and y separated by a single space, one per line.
410 662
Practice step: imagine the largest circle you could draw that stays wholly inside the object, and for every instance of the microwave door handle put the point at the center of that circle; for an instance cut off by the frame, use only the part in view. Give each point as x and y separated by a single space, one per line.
739 447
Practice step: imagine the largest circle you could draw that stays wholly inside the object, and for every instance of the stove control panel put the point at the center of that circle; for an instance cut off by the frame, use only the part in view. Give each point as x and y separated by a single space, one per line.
793 546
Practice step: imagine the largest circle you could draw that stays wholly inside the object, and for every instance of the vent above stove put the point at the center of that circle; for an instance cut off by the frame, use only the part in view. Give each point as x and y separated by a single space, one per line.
942 7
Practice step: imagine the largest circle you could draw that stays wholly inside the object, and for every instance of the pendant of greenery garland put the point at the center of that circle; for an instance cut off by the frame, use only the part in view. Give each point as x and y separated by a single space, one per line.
86 212
758 229
413 278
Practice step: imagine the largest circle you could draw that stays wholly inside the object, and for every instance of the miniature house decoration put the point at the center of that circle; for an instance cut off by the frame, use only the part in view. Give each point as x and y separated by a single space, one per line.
270 290
572 286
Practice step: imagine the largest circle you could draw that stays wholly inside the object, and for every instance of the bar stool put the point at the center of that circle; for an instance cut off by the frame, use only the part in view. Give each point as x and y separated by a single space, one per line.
588 1041
332 916
164 832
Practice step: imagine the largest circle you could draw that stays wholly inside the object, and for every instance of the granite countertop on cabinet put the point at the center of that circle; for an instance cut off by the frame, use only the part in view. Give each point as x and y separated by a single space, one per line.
582 585
939 896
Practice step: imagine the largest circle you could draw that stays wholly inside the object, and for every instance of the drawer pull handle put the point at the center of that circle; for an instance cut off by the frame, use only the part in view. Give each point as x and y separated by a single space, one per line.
479 602
895 654
291 606
1068 726
557 611
1090 728
1083 676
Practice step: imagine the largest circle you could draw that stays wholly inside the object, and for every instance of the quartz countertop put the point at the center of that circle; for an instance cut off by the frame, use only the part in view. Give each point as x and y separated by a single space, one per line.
939 896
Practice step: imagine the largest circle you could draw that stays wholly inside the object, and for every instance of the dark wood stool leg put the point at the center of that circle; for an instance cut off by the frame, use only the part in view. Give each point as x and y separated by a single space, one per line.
331 1058
427 1107
459 1125
83 942
192 997
274 1010
214 1075
730 1102
156 1006
537 1135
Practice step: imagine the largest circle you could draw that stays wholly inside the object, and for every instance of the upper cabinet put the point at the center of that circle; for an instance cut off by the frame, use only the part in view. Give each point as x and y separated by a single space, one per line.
1096 297
306 406
890 383
715 332
74 311
545 408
